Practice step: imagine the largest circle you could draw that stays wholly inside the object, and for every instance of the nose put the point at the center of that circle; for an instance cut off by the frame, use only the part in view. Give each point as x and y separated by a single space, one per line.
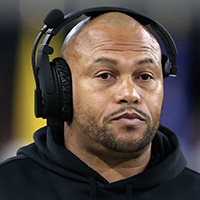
127 92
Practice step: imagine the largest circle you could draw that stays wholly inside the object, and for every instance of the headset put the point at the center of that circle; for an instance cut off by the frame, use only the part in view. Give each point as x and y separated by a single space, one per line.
53 93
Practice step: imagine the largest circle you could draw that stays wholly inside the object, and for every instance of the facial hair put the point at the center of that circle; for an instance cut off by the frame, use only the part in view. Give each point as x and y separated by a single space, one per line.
106 137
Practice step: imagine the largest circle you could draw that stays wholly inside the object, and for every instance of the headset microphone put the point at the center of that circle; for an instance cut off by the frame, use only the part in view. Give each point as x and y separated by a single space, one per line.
54 18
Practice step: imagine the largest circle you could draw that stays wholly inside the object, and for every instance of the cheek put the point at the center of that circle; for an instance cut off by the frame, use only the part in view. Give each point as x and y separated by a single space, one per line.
155 101
81 97
151 100
88 101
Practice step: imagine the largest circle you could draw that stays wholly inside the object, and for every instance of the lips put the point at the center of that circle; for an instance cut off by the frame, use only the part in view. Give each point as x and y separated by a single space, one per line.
129 119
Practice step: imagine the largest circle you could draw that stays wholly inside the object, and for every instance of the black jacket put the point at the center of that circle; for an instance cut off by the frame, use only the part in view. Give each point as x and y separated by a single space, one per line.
44 170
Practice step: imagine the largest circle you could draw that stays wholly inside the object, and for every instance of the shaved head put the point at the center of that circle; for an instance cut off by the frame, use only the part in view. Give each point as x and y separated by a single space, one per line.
72 34
84 32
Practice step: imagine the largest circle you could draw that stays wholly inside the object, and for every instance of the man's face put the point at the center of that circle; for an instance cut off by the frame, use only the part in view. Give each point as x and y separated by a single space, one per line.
117 87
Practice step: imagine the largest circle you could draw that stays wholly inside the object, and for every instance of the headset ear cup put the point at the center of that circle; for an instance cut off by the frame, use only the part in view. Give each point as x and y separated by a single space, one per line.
166 65
65 85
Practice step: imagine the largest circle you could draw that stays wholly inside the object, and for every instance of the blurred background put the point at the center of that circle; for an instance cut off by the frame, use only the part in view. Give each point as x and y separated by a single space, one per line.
20 22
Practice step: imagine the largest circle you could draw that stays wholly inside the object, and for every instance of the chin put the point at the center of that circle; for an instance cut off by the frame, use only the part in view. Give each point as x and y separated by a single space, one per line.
127 142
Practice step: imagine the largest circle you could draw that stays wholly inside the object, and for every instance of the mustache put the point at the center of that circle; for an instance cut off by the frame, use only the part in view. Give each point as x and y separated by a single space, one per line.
127 108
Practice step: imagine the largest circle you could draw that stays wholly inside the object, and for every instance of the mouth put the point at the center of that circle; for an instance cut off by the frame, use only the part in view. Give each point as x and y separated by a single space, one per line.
129 119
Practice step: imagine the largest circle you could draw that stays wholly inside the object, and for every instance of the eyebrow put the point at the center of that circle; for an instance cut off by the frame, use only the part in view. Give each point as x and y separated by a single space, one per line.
142 61
106 60
146 61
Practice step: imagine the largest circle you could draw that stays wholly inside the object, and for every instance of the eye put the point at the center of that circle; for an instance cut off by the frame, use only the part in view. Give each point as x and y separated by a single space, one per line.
104 76
146 76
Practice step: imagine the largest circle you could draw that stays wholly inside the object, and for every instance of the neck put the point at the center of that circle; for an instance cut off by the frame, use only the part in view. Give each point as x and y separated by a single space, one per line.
111 165
122 166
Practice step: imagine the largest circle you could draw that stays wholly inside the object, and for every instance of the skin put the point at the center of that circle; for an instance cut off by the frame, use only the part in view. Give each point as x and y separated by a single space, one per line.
117 88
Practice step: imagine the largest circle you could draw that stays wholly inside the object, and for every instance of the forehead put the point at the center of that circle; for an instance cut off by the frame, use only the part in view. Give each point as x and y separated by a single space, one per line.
113 32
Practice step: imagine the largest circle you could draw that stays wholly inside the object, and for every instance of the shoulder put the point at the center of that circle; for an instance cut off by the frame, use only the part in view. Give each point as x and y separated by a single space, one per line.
191 175
13 165
18 168
19 176
188 184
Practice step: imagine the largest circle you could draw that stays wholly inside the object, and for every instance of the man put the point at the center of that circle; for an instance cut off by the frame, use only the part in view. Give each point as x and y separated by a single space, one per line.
115 85
114 145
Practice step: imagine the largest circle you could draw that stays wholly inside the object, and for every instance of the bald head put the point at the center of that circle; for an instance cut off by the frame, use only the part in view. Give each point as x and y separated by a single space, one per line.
110 25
